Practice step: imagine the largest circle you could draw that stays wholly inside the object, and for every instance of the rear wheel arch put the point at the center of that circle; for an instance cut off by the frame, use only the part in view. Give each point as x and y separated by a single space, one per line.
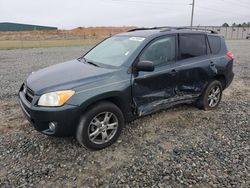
222 80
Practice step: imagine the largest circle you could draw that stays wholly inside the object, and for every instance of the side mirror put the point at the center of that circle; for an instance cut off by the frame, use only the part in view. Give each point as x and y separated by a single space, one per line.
147 66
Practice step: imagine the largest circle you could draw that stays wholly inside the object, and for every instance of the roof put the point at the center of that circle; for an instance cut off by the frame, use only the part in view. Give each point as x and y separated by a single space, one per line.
147 32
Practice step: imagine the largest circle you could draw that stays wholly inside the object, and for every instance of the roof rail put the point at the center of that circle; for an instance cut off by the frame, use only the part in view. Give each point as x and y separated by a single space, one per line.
197 29
168 28
151 28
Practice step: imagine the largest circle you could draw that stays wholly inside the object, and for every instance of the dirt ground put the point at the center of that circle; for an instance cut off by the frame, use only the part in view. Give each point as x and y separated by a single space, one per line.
57 38
77 33
178 147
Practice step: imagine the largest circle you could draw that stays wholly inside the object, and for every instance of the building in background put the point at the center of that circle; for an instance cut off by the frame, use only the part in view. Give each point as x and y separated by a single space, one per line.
232 32
7 26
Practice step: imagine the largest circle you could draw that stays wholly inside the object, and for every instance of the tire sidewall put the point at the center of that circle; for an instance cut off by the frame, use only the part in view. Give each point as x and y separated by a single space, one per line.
82 130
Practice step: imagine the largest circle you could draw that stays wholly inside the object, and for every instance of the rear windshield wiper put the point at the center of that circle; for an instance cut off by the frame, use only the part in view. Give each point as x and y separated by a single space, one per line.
87 61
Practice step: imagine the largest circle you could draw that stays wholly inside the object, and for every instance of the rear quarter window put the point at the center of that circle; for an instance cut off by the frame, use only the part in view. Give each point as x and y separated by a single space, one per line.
192 45
215 44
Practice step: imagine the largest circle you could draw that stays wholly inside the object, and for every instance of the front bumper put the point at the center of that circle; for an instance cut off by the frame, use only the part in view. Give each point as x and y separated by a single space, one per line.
66 117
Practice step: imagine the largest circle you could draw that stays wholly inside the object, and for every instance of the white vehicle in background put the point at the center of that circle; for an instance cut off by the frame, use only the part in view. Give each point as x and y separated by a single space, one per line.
248 36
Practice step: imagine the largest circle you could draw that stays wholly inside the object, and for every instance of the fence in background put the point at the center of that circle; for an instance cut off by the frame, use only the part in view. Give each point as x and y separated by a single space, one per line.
34 39
230 33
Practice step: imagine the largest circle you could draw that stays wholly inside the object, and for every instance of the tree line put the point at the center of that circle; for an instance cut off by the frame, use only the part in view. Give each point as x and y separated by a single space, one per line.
244 24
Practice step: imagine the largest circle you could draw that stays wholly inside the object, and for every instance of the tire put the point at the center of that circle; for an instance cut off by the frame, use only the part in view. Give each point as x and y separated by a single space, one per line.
209 94
94 132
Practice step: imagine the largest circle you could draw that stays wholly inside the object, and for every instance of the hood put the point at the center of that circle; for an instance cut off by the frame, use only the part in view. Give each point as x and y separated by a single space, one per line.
65 76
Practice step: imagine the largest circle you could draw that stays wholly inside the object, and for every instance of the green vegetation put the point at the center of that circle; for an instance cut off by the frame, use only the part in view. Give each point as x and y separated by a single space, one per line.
244 24
12 44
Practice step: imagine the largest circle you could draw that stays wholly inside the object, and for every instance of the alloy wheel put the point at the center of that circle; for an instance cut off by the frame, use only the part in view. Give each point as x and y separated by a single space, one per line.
103 127
214 96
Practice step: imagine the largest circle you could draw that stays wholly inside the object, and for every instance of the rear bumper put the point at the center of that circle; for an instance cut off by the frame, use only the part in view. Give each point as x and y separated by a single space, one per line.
66 117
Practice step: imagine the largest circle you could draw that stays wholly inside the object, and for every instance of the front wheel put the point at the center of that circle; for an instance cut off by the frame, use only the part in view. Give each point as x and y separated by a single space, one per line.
100 126
211 97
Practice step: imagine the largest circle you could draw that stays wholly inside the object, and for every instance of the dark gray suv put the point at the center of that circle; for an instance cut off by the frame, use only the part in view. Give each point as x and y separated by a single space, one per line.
127 76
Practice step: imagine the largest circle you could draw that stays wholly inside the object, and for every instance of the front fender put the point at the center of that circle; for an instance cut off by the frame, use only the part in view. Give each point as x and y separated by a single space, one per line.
121 97
120 91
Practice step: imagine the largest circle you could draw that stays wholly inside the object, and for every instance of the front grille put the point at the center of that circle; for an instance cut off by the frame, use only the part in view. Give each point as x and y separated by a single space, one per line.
29 94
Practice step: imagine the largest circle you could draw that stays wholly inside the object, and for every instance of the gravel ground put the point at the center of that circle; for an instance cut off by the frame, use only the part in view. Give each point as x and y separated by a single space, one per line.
179 147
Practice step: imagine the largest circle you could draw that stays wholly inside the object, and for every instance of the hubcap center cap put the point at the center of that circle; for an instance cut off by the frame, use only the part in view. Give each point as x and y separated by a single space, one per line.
104 126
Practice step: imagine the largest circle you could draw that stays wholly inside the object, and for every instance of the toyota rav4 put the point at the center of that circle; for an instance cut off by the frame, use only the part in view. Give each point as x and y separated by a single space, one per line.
124 77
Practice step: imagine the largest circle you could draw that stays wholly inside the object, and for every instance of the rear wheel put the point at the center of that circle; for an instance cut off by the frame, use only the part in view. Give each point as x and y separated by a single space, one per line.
211 97
100 126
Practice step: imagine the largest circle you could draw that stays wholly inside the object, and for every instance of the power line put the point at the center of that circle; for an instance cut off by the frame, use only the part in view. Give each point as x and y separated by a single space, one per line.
145 4
241 4
170 3
155 3
148 3
218 11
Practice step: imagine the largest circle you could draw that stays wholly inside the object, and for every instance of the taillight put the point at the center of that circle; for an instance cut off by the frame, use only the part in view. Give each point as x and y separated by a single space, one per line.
230 55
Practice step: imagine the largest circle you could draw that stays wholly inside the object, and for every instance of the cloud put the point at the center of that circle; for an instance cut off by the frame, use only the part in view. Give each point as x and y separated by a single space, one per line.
70 14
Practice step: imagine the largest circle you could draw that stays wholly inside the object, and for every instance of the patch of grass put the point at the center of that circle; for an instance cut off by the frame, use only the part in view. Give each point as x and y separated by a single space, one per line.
13 44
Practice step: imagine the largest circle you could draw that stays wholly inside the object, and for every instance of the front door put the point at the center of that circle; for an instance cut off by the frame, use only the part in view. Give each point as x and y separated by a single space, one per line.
152 91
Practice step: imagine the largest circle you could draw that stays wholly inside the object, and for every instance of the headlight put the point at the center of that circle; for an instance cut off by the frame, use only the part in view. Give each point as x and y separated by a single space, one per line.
57 98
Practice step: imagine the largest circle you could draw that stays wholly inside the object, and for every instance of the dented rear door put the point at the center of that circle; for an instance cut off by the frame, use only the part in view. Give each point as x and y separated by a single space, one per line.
194 66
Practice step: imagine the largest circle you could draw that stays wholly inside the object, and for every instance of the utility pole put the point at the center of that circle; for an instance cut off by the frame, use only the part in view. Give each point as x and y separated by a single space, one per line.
192 15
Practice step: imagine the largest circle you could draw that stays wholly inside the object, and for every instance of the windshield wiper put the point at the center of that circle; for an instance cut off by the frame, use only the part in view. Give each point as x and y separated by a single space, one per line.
91 63
87 61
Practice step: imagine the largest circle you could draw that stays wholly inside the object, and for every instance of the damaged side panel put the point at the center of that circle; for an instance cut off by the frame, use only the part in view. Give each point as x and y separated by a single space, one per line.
148 88
165 103
162 89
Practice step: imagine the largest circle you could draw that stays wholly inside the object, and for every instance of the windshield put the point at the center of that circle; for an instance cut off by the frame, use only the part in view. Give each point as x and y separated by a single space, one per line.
114 51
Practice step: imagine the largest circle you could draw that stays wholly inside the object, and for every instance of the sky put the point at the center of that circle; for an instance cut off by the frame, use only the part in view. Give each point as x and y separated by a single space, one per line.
143 13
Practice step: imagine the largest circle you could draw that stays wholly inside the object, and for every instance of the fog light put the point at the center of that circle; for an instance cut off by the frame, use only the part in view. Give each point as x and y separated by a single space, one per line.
52 126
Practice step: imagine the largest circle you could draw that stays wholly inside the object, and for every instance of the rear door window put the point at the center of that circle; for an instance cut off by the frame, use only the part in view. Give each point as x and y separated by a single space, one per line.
215 44
192 45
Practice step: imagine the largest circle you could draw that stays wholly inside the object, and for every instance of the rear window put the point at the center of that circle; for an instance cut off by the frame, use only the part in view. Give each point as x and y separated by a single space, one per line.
192 45
215 44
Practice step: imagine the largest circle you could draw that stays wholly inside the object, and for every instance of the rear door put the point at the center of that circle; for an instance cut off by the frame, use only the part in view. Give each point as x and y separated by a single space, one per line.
153 90
194 65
